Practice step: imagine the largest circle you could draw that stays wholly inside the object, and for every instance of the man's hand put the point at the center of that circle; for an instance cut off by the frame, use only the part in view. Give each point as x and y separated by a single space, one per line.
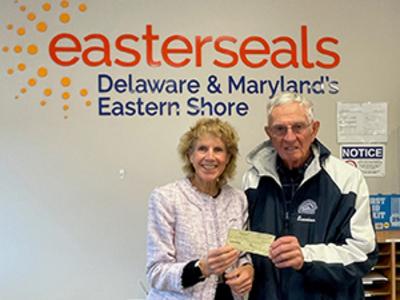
286 252
241 279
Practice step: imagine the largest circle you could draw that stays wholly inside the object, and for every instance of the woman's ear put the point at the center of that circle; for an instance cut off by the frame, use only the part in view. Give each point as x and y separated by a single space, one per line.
229 157
189 156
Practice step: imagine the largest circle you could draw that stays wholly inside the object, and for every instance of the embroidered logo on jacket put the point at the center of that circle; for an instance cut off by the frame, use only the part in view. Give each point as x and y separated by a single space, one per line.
307 210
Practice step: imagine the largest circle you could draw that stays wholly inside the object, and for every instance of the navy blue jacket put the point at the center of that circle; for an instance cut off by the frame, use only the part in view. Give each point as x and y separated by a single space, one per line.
330 216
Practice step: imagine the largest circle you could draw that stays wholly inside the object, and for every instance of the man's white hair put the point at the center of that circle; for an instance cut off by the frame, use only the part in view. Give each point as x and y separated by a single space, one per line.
289 97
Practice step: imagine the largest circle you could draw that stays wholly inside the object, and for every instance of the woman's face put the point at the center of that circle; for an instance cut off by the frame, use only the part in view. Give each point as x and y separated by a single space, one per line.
209 159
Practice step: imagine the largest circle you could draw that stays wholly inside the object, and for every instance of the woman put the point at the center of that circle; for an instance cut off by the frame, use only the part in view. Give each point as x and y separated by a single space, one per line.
189 219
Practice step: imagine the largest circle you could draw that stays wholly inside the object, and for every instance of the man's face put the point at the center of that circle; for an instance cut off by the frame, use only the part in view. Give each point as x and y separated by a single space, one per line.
292 133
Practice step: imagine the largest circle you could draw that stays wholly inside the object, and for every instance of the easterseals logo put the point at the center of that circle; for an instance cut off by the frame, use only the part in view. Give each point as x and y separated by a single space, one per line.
41 49
24 46
137 95
178 50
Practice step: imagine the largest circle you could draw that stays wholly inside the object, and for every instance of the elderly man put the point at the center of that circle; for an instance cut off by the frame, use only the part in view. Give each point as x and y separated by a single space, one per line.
315 204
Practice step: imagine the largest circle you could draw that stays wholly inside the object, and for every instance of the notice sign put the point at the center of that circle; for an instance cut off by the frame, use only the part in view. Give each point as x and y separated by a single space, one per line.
370 159
385 211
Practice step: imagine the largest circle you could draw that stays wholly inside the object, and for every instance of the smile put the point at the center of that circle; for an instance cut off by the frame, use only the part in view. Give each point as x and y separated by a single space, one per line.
209 166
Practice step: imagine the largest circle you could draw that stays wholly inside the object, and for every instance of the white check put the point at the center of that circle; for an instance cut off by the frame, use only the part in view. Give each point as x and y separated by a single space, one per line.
250 241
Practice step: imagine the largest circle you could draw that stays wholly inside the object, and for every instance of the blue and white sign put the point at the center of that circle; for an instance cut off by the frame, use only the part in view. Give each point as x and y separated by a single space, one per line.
370 159
385 211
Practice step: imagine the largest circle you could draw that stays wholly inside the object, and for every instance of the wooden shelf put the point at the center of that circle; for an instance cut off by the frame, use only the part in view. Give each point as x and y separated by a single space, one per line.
388 266
375 293
388 235
384 262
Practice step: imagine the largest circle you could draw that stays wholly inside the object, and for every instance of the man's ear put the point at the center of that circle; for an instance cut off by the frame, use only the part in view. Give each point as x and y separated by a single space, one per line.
267 131
315 128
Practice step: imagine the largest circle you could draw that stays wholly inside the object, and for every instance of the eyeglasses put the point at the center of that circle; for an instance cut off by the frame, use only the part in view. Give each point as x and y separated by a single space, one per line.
282 130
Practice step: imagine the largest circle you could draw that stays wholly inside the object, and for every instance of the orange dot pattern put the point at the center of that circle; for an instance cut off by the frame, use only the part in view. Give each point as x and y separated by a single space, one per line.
21 67
64 4
47 92
21 31
32 82
82 7
46 6
41 26
65 81
17 49
83 92
66 95
32 49
64 18
31 16
38 16
42 72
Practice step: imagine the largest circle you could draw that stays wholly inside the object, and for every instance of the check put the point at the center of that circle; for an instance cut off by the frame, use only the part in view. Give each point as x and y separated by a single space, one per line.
250 241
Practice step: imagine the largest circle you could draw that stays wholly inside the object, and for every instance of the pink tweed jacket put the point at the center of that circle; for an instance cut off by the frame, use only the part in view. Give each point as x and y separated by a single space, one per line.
183 224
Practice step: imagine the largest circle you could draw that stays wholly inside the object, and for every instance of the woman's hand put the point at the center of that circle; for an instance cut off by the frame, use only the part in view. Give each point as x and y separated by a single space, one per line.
241 279
218 260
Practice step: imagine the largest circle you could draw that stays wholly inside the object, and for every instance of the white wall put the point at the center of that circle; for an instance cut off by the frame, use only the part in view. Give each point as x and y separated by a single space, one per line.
70 227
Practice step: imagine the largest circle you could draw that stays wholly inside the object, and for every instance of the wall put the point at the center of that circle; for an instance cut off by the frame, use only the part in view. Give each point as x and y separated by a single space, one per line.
74 184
